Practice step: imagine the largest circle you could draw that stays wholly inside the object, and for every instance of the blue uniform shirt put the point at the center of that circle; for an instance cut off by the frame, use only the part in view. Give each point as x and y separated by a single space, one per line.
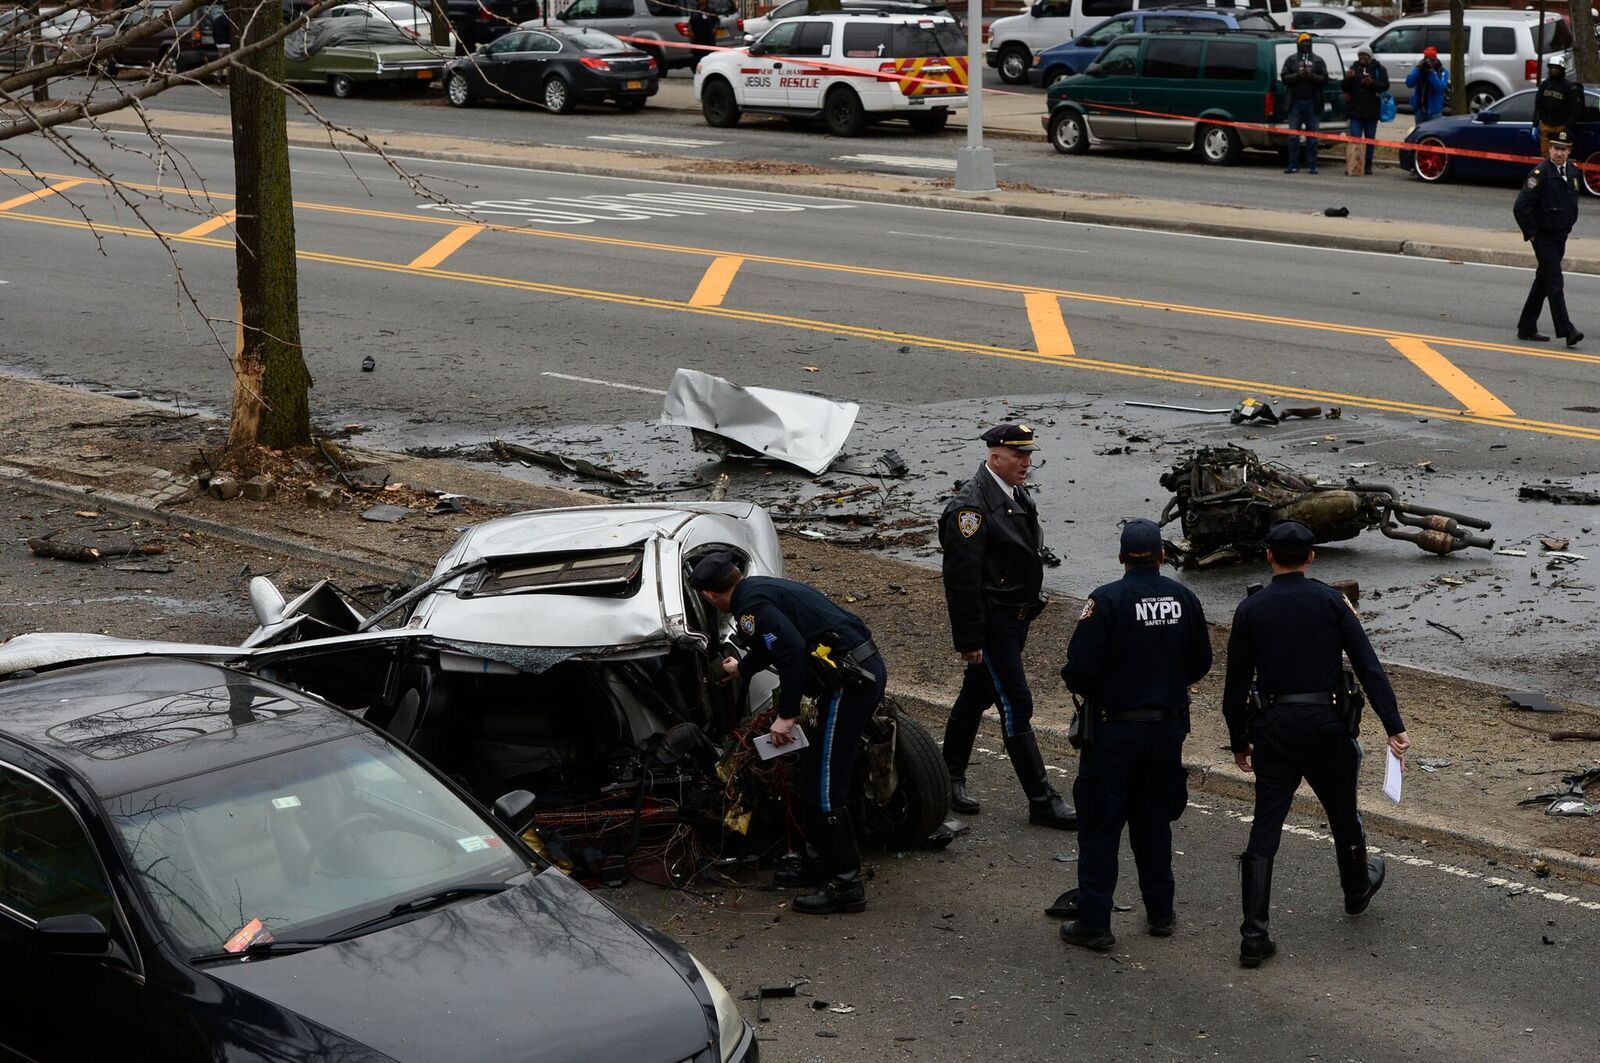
782 621
1140 643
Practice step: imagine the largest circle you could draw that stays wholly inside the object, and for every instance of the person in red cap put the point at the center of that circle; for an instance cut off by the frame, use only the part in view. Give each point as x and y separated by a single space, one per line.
1429 82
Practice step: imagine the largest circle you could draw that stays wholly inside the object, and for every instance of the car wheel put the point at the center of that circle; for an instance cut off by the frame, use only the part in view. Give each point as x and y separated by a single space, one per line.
1069 133
108 68
718 104
844 114
457 91
341 86
630 104
1055 74
1014 63
1480 95
1431 166
557 95
1591 176
931 122
1219 145
921 798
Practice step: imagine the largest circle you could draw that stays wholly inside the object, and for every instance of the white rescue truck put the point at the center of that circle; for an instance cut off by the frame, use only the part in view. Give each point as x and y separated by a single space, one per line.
848 70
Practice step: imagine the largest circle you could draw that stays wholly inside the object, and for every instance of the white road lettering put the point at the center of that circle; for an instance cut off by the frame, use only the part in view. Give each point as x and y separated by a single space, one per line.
659 142
627 206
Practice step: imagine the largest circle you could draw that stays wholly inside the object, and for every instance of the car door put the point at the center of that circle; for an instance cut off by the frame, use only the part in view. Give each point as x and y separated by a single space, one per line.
1051 22
802 83
536 56
1170 85
1111 81
766 64
1507 128
498 66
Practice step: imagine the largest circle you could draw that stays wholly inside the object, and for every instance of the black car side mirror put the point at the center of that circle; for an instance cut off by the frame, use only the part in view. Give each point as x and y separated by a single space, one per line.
1036 10
515 810
1488 117
1094 70
73 935
758 49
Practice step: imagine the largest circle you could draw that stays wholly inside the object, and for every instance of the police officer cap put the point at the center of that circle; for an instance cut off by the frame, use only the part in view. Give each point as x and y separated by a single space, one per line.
1562 137
1292 534
1016 436
1557 64
1141 540
712 570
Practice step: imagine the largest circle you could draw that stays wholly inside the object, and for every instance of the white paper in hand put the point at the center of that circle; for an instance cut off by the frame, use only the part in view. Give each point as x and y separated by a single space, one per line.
1392 771
767 750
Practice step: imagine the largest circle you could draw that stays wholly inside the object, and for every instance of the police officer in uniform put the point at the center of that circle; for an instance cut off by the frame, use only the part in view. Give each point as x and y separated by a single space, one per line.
1546 210
1138 647
1286 655
993 581
824 652
1559 103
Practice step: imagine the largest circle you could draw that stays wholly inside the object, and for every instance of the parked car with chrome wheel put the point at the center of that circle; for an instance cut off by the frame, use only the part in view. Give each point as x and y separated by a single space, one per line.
556 68
1506 127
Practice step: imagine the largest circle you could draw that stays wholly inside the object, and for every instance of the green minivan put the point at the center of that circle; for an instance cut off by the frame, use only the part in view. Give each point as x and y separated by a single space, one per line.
1182 84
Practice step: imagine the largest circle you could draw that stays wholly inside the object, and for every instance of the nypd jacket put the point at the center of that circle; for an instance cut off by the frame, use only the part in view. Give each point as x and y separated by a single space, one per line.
783 621
1560 101
1139 645
991 556
1548 202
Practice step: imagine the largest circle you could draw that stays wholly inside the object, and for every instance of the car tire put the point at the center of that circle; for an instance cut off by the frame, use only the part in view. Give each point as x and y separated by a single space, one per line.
109 68
556 95
921 800
930 122
1218 145
458 91
1591 175
843 113
718 104
630 104
341 86
1069 133
1481 94
1430 166
1055 74
1013 64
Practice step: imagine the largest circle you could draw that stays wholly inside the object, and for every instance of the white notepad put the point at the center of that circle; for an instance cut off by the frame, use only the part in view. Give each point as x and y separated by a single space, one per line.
1392 770
767 750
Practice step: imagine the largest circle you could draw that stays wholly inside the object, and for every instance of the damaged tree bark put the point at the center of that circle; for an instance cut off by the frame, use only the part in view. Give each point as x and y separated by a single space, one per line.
271 404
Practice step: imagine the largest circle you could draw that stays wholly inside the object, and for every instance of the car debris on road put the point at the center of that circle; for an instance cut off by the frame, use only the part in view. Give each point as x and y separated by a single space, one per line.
725 418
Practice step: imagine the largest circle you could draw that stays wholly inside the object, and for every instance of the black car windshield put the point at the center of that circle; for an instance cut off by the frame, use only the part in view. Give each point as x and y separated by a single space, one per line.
304 843
595 41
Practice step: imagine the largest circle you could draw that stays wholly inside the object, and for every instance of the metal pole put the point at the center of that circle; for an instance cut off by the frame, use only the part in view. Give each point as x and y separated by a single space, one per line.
975 163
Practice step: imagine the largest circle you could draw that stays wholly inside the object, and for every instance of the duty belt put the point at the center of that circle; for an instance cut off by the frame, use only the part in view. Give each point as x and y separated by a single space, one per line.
862 653
1321 697
1110 715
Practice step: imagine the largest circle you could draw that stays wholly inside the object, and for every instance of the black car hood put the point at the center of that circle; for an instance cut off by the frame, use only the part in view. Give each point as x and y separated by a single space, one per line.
543 971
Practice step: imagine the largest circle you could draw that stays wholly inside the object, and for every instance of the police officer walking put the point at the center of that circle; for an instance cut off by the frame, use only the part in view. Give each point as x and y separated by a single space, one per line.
993 581
1285 655
1139 645
1546 210
1560 103
827 653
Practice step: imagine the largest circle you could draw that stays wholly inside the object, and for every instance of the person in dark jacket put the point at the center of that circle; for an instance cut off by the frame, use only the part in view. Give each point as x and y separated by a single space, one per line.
1138 647
1285 705
1304 75
1560 103
1364 85
1429 82
822 651
993 588
702 32
1546 210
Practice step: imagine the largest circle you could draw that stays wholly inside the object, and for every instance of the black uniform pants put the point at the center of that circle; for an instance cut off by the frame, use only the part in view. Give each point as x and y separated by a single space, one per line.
1133 774
1294 742
828 763
997 679
1548 285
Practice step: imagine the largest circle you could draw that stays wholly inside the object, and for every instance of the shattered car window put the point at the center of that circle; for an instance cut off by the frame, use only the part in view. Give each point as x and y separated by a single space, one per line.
614 573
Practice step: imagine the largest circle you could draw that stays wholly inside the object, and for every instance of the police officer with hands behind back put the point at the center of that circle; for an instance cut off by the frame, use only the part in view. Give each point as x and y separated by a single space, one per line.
1139 645
1292 713
1546 210
993 588
827 653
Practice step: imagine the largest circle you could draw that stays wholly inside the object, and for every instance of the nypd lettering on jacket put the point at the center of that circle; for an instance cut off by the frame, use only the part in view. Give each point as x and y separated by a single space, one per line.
1157 612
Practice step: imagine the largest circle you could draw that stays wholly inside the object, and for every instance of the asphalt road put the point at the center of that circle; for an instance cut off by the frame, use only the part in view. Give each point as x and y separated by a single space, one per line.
560 321
953 959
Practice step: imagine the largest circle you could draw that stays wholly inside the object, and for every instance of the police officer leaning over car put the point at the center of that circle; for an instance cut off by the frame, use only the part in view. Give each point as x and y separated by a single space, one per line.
1292 713
1139 645
1546 210
993 582
824 652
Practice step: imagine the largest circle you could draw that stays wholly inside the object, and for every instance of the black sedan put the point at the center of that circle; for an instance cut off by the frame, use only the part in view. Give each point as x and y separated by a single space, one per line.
553 67
197 864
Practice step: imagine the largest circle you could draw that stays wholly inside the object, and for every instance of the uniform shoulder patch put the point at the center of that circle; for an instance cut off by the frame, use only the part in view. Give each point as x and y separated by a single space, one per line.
1088 610
1348 604
968 521
747 624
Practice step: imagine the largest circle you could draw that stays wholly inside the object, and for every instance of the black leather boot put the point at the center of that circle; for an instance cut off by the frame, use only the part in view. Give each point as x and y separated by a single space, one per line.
1360 876
1255 886
1046 808
844 890
1075 933
959 801
800 869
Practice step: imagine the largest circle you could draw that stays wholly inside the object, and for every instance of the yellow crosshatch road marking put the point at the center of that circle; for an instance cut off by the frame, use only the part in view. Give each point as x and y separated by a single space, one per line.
206 228
1050 334
1473 396
1127 369
718 278
448 245
41 193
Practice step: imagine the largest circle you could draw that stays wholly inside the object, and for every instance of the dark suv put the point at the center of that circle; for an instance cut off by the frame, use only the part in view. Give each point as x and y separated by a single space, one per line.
478 22
182 43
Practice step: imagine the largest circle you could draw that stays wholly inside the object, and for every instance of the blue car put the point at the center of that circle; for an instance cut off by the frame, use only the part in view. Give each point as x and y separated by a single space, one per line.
1065 60
1506 127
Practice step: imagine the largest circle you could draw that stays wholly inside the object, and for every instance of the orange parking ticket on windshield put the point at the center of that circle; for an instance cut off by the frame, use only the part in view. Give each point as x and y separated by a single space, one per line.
251 933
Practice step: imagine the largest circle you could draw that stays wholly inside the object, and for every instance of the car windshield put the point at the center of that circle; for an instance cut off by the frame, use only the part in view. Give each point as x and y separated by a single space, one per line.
301 844
595 41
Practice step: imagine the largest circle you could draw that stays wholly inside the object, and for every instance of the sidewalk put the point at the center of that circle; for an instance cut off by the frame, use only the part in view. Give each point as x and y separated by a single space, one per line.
1483 756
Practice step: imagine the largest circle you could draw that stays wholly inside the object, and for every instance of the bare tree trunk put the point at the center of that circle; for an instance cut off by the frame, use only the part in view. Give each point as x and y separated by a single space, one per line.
1585 49
271 402
1458 57
440 22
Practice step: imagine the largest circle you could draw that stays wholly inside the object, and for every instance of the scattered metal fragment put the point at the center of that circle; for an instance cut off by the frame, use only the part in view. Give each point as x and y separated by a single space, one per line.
1565 555
448 504
1306 412
888 464
1512 552
385 514
802 430
1178 409
368 364
1252 410
1447 629
1558 494
562 463
771 992
1531 700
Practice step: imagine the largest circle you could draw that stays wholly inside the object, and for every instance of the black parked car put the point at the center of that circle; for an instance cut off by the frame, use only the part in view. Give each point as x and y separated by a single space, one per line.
557 68
200 865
